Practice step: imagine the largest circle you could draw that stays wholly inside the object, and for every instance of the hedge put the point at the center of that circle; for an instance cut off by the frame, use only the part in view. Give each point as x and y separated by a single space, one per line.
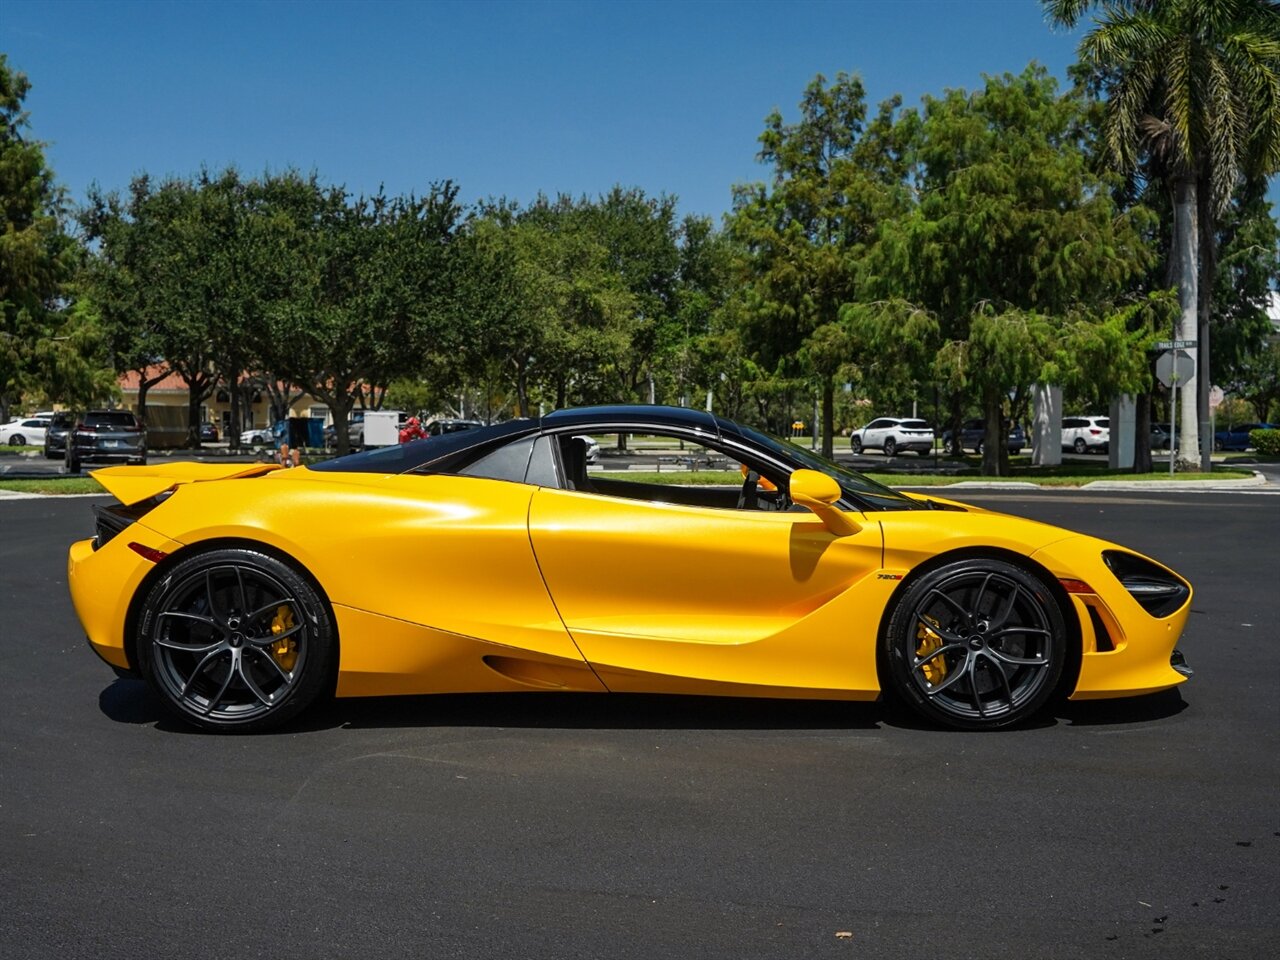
1265 441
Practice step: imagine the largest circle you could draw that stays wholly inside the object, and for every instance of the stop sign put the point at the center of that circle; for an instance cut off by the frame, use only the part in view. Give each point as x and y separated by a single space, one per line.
1173 362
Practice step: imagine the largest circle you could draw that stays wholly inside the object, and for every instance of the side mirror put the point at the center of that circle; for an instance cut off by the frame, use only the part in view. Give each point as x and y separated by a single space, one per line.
819 493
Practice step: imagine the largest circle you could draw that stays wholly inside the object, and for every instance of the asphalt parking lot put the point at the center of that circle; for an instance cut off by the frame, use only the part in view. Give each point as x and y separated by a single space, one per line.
553 826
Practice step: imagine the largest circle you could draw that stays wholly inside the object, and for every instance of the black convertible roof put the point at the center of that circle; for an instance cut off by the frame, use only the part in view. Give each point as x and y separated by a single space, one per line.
419 453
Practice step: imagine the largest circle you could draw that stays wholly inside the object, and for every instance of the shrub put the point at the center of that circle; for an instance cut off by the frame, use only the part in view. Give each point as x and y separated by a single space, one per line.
1265 441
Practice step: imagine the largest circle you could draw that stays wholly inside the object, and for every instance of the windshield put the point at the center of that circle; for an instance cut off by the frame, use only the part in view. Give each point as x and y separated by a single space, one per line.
110 418
856 487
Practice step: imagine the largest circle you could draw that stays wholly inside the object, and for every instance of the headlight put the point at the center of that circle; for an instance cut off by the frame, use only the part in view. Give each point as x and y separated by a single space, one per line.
1157 591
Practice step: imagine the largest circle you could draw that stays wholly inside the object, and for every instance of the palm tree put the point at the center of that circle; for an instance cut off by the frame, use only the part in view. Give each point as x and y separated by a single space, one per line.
1194 88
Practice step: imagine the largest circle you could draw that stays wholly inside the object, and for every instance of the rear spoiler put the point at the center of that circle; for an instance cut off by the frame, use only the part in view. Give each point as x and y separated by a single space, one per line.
130 485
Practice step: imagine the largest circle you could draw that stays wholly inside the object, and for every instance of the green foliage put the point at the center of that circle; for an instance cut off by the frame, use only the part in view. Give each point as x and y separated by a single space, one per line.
39 338
802 236
1265 441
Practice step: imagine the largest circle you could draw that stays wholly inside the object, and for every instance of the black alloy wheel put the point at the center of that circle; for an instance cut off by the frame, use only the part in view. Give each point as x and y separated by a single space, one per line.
890 446
236 640
976 644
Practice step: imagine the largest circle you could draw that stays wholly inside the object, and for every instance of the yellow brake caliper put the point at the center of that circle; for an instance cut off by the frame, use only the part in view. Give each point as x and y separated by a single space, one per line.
285 650
934 669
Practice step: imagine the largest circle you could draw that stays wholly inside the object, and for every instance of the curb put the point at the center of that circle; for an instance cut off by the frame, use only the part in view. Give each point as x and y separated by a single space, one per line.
1258 479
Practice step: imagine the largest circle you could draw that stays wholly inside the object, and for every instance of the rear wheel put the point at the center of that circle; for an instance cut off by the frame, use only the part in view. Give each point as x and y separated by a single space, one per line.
890 446
976 644
235 640
1081 446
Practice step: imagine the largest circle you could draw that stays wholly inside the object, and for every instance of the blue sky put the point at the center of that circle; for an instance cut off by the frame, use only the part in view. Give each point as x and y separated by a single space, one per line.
506 99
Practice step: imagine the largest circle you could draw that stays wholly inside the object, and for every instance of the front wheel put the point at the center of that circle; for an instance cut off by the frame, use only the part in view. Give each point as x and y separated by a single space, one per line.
855 445
976 644
236 640
17 440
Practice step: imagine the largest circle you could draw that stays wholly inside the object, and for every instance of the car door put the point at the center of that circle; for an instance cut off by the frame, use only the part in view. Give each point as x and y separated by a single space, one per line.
873 436
662 596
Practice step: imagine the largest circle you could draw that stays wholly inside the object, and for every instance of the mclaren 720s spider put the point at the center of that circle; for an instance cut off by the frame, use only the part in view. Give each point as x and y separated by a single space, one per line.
492 559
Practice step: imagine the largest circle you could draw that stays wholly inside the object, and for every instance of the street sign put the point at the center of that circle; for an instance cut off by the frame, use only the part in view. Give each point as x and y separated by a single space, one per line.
1174 344
1174 363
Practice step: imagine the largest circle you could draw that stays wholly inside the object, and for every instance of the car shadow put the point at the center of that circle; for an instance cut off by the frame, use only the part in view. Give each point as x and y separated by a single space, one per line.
131 701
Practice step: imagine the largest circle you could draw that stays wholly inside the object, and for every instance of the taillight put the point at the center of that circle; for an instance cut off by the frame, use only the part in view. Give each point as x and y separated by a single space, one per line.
148 553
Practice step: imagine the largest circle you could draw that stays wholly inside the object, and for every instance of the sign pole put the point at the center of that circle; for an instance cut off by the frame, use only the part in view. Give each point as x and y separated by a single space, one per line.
1173 423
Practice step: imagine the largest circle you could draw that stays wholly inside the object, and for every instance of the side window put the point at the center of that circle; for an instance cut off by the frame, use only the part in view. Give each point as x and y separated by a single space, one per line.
508 462
877 424
666 468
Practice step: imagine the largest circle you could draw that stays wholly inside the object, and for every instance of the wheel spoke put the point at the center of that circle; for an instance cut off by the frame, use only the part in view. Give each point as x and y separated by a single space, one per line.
213 609
954 604
198 670
276 637
1005 630
933 655
244 597
1007 612
199 617
973 688
1004 680
268 607
982 592
941 631
1003 657
958 672
187 648
246 677
217 697
266 655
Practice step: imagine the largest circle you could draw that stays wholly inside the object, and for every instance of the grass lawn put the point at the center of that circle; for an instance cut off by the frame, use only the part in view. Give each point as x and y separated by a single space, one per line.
9 451
54 485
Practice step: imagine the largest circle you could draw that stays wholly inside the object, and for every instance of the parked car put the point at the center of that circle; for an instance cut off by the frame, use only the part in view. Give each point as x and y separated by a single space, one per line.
438 427
355 431
257 437
18 433
55 435
1086 434
1161 439
1237 437
893 435
105 436
593 447
972 433
208 433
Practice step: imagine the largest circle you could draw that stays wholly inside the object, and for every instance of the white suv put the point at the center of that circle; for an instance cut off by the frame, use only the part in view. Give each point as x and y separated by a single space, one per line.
893 435
1083 434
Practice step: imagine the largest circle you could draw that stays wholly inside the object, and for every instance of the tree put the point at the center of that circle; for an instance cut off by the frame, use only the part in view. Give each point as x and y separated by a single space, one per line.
1195 86
37 257
361 289
1012 244
834 179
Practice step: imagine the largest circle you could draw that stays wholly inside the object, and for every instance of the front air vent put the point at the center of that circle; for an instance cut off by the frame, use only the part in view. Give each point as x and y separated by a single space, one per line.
1157 591
1101 635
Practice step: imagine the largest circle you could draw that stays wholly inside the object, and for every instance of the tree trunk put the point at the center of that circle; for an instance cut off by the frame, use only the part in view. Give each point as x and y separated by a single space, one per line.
995 452
1204 308
1142 425
828 417
1185 255
234 426
195 396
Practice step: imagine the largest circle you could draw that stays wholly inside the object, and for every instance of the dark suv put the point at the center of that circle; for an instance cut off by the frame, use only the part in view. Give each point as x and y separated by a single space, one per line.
55 435
105 436
973 432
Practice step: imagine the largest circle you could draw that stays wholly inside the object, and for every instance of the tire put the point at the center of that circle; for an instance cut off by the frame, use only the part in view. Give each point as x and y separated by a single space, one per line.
977 448
855 445
951 448
17 440
1217 445
890 446
1080 446
976 644
213 634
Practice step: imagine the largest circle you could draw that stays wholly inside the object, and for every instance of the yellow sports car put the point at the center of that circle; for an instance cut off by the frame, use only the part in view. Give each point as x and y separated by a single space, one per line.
493 560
